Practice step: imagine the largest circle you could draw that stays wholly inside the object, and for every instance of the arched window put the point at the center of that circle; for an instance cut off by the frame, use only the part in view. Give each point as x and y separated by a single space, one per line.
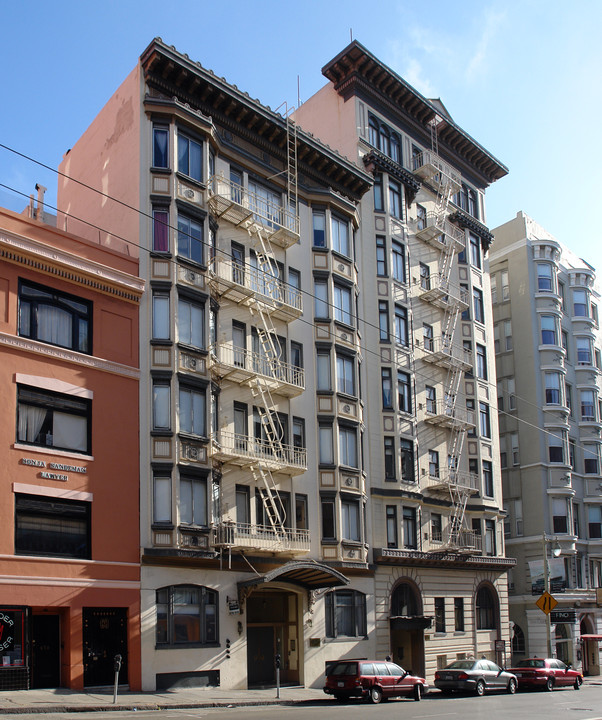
518 641
186 615
485 609
346 614
404 602
385 140
395 148
373 131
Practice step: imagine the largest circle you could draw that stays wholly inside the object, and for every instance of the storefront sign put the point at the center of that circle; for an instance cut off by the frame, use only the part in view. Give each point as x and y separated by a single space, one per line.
32 462
7 636
234 607
563 616
54 476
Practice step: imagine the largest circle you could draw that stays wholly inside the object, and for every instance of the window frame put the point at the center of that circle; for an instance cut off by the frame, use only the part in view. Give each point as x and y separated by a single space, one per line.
209 598
357 620
182 139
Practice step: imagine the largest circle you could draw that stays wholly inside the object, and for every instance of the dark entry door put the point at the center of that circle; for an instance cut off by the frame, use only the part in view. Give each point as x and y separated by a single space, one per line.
45 652
105 635
260 655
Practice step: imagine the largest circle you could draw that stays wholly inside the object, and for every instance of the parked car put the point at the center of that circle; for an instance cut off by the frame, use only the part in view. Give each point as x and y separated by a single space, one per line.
545 673
372 679
474 676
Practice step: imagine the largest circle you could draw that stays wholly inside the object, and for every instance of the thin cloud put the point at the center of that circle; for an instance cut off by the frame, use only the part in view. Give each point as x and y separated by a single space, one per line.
478 63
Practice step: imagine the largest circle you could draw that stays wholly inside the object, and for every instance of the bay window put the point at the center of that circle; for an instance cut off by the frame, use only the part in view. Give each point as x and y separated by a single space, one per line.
191 323
190 239
193 501
340 236
342 304
190 157
192 411
348 446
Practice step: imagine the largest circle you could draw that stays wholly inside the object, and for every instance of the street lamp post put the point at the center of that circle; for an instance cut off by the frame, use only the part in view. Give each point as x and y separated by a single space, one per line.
546 579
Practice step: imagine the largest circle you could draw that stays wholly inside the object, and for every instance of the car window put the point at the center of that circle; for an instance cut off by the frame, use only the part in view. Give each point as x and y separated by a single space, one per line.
381 669
494 667
461 665
531 663
559 664
343 669
367 669
395 669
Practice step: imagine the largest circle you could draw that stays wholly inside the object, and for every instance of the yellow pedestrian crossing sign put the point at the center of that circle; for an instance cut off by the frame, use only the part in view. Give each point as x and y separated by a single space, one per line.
546 602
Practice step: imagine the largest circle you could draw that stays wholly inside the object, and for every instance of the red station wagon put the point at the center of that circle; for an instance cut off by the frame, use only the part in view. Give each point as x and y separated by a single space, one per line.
545 673
373 679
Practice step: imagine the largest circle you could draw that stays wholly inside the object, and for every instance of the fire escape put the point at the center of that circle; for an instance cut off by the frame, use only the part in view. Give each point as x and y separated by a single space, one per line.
447 239
258 290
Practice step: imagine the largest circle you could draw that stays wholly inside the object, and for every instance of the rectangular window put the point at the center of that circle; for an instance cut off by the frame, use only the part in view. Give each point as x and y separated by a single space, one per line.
328 524
345 375
387 388
477 304
590 459
345 614
55 317
381 256
340 236
425 276
420 217
190 157
160 230
490 544
325 445
193 501
594 513
160 146
436 527
549 334
298 432
410 535
321 309
323 372
319 227
161 316
433 463
544 277
383 320
391 522
470 411
161 406
431 399
428 341
406 451
190 239
552 382
191 323
459 614
348 446
404 396
186 615
394 198
162 499
401 325
475 251
580 303
398 261
52 527
584 351
488 478
560 515
50 419
350 519
301 517
379 203
243 505
481 362
390 470
514 446
484 423
588 407
342 304
440 614
192 411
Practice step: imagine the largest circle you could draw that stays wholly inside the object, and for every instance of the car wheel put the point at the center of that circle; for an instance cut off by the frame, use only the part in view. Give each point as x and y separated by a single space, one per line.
577 684
549 685
418 692
480 688
511 689
376 695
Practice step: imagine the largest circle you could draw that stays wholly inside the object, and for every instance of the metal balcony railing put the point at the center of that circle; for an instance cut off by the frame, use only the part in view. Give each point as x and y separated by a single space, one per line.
452 479
439 233
241 365
262 538
449 414
445 353
429 166
243 208
244 450
437 289
463 540
242 282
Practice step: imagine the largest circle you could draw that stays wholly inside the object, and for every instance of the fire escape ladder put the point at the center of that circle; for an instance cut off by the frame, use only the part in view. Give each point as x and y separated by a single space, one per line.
291 159
271 500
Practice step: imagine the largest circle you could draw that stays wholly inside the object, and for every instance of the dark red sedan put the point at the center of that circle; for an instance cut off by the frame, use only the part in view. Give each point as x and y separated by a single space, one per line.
545 673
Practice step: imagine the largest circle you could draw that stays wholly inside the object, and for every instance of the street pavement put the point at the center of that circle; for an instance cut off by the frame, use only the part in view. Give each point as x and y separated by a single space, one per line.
62 700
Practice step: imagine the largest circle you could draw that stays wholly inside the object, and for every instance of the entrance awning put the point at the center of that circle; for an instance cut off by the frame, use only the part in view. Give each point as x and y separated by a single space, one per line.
308 575
591 637
410 622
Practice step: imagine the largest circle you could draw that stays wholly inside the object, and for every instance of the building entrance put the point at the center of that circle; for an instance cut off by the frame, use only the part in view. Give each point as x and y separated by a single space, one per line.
104 635
272 629
45 651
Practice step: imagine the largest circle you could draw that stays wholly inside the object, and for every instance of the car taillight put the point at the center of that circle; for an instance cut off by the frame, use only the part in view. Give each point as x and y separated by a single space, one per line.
437 676
357 681
462 676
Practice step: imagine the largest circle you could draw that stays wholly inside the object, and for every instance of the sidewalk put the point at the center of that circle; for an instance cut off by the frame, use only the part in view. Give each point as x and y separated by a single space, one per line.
62 700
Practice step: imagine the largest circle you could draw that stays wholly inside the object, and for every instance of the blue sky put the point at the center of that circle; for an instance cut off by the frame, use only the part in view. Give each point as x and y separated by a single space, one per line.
521 76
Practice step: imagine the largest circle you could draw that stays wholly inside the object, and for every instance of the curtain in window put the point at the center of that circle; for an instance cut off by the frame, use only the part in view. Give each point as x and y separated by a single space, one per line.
186 615
30 422
54 325
344 614
70 431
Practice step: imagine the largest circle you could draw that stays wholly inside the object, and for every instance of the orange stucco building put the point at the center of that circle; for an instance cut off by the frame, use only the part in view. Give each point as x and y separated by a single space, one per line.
69 487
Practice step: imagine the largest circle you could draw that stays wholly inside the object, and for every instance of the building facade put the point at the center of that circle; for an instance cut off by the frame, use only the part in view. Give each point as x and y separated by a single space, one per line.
545 305
433 479
69 559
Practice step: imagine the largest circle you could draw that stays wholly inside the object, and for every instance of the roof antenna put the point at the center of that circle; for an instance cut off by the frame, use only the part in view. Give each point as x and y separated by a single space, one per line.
351 34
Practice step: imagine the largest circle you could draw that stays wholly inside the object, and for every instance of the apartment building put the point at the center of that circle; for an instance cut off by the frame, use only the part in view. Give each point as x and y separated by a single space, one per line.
431 442
254 545
548 348
69 548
